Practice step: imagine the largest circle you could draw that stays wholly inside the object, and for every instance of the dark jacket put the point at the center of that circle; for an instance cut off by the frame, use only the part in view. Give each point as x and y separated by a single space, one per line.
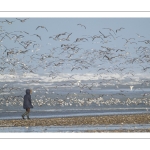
27 100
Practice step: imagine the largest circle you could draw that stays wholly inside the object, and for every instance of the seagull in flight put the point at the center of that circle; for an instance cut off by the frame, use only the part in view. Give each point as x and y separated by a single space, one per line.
9 22
41 27
37 36
139 35
119 29
82 25
79 39
22 20
131 87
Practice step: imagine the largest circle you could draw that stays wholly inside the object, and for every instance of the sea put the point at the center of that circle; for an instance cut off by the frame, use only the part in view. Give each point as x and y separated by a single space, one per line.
67 101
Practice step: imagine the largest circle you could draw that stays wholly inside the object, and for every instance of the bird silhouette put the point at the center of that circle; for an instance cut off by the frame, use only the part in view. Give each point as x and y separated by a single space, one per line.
42 28
22 20
37 36
119 29
82 25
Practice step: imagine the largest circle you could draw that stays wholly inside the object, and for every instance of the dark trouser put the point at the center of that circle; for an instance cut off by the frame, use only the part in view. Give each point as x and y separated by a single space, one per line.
28 110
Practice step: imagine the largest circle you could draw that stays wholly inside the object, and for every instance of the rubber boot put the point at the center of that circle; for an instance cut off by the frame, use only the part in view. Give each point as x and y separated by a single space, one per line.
28 116
24 115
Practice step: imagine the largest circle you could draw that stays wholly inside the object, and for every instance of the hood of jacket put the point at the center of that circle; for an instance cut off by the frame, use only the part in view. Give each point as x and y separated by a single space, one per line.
28 91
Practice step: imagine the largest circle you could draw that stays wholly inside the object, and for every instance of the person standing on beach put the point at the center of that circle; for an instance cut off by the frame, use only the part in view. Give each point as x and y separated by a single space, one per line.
27 104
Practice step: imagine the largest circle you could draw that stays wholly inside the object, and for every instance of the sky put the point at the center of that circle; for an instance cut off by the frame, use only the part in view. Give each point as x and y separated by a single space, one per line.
94 45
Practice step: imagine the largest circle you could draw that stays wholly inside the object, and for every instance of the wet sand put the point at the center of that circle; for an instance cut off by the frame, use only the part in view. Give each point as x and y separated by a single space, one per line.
85 120
120 130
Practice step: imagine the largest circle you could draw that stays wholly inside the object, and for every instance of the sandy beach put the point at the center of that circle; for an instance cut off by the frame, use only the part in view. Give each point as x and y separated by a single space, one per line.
85 120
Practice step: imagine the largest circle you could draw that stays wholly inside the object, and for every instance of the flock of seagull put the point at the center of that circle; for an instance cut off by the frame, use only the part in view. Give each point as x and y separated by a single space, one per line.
21 52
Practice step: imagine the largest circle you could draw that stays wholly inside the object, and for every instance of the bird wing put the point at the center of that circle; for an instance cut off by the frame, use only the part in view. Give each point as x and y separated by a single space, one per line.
46 29
83 26
37 27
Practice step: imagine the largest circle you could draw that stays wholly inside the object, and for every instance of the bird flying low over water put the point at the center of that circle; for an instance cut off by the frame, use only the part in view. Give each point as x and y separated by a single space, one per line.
131 87
42 27
80 39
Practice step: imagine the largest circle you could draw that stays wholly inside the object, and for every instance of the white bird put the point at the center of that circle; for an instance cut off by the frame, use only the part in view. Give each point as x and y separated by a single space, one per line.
78 82
131 87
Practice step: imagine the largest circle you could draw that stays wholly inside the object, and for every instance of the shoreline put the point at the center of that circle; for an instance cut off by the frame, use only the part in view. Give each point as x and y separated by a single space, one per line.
50 123
82 120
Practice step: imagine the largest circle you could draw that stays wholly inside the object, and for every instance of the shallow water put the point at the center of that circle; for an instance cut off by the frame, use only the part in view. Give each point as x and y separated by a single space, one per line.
71 113
83 128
